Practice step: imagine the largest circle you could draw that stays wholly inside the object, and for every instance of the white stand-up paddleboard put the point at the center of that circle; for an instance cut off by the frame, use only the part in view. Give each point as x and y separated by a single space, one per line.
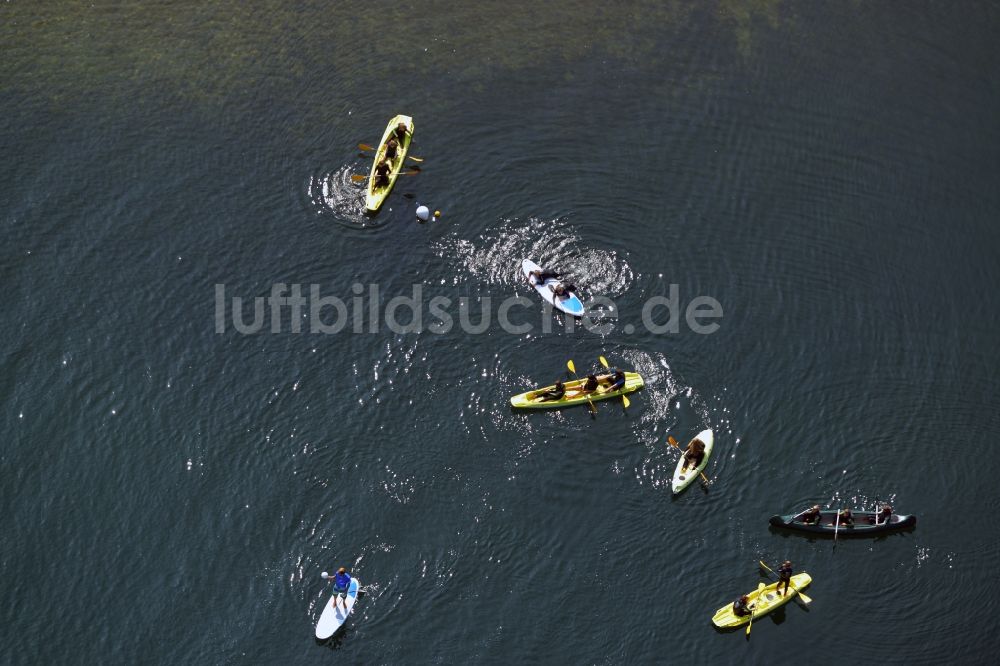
332 618
571 305
683 478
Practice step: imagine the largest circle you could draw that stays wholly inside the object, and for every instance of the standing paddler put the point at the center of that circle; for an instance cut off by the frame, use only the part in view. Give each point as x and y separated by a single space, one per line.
341 583
784 576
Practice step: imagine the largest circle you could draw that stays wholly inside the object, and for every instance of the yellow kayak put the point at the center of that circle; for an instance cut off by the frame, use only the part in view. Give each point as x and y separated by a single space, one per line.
375 196
633 382
761 602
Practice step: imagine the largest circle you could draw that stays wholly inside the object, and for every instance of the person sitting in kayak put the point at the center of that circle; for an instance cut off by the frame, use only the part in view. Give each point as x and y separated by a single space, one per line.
391 149
694 454
382 174
883 516
784 576
589 386
554 393
812 516
846 518
615 381
341 583
741 607
400 132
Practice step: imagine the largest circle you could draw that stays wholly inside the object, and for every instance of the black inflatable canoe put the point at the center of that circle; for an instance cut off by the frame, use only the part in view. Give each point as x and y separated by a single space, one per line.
863 524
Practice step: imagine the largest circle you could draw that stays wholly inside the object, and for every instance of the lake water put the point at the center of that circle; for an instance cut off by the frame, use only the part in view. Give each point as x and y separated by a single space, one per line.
826 172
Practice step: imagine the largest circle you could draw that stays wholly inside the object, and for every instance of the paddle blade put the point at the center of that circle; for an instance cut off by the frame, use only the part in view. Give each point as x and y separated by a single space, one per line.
414 158
358 178
765 567
572 368
604 362
365 146
672 441
806 600
625 401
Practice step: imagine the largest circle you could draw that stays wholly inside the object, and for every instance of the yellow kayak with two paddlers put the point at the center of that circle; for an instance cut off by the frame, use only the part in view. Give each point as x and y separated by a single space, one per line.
375 196
536 400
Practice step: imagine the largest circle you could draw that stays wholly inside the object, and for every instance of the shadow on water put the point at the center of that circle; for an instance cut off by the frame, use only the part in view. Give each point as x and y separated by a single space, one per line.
337 640
812 537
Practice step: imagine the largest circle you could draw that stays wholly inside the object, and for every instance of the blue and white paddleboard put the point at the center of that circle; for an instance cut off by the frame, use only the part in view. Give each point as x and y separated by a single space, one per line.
571 305
333 618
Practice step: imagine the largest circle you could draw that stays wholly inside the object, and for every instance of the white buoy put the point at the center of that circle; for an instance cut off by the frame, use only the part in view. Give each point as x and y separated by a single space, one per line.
423 213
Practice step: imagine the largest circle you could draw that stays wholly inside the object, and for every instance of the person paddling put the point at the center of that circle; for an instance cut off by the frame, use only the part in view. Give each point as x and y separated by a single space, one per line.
883 516
846 518
341 583
784 576
615 381
812 516
694 454
741 607
589 386
539 277
562 291
391 149
382 173
400 132
554 393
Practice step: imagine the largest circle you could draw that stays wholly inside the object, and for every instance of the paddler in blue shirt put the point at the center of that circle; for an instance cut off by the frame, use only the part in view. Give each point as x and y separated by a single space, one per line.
615 381
341 583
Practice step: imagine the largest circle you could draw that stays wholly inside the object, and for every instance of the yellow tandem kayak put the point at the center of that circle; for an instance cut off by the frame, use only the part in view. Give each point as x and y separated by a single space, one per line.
762 602
375 196
633 382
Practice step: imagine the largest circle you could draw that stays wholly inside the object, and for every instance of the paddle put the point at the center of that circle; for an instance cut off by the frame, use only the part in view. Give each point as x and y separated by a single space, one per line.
360 178
798 515
572 368
365 146
625 400
836 528
673 443
802 595
760 588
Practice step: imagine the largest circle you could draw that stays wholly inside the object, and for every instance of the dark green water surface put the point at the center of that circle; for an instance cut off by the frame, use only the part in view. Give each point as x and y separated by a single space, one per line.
828 172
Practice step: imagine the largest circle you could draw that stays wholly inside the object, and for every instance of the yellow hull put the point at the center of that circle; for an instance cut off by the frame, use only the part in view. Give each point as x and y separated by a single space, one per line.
769 599
375 197
633 382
